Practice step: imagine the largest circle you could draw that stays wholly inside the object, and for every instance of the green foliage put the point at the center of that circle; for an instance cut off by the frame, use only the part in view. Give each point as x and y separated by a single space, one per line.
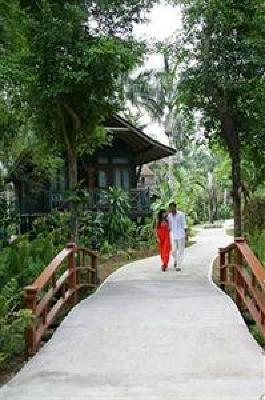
145 233
223 78
224 212
91 228
13 321
60 77
24 259
75 73
8 220
156 90
254 216
192 189
20 263
224 39
256 241
65 76
117 223
254 224
257 335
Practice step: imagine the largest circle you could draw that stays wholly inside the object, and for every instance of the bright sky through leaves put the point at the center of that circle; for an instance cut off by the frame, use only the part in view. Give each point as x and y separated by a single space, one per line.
164 21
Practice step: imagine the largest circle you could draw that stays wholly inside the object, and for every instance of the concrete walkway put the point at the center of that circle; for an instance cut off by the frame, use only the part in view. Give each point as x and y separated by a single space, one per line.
152 336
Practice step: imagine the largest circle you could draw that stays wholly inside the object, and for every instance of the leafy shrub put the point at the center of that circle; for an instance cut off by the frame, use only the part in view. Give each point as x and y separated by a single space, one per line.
258 335
256 241
254 224
225 212
9 219
91 229
145 233
54 224
117 223
13 321
254 215
107 248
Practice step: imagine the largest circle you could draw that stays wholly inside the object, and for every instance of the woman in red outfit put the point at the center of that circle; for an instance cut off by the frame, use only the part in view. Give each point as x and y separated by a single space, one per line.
163 238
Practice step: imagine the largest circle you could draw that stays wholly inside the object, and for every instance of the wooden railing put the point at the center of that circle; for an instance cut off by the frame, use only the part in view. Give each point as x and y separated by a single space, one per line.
243 276
57 288
98 199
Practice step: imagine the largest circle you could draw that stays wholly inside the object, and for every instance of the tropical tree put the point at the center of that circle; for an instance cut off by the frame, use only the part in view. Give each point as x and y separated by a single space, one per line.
201 183
76 53
155 92
223 78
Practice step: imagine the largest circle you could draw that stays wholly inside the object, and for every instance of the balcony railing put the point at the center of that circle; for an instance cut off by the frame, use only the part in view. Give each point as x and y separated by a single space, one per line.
98 200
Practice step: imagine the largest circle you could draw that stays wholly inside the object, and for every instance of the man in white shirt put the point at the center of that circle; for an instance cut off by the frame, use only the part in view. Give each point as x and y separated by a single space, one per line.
179 232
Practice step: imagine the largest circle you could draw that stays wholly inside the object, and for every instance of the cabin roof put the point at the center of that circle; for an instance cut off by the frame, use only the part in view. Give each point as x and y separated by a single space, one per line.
146 148
146 171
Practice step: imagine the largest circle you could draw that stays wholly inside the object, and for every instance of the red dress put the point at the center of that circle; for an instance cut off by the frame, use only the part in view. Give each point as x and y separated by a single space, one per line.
164 246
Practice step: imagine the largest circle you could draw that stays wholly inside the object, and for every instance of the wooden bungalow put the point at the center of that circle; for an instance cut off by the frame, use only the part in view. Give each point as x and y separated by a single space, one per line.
116 164
147 179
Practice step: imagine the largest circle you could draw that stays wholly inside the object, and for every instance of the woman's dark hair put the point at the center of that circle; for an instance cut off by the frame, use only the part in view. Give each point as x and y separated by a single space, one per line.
160 216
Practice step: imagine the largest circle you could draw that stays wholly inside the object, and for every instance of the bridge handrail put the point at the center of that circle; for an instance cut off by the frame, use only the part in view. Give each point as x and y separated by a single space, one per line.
59 286
50 270
256 266
243 271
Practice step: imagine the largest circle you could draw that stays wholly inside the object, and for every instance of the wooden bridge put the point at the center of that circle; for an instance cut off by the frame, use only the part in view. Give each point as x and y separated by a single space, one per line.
146 334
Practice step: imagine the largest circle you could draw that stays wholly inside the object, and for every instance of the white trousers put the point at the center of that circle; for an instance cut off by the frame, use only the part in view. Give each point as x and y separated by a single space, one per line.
178 247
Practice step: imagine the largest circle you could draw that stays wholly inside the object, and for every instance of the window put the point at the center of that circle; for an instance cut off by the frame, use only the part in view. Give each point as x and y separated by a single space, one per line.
103 160
102 179
117 177
126 179
122 178
120 160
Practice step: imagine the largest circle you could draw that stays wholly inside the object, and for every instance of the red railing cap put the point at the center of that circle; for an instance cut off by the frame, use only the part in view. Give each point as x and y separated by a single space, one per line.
240 239
32 289
71 246
91 253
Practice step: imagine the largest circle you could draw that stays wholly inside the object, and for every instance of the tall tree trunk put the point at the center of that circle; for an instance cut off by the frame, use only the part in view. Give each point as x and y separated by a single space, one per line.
236 178
211 197
231 137
72 185
225 197
210 211
71 156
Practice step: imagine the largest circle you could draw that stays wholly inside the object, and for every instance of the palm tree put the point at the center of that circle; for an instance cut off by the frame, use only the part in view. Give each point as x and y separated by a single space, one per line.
155 91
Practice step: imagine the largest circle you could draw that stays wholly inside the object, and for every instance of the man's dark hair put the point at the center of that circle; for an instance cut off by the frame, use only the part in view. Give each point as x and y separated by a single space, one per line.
173 204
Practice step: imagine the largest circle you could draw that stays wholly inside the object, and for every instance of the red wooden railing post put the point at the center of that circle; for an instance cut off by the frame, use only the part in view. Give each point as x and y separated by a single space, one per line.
222 269
30 334
94 274
72 273
238 278
40 296
248 281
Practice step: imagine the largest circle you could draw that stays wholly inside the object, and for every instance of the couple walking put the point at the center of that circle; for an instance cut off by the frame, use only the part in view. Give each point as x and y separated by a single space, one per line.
172 223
